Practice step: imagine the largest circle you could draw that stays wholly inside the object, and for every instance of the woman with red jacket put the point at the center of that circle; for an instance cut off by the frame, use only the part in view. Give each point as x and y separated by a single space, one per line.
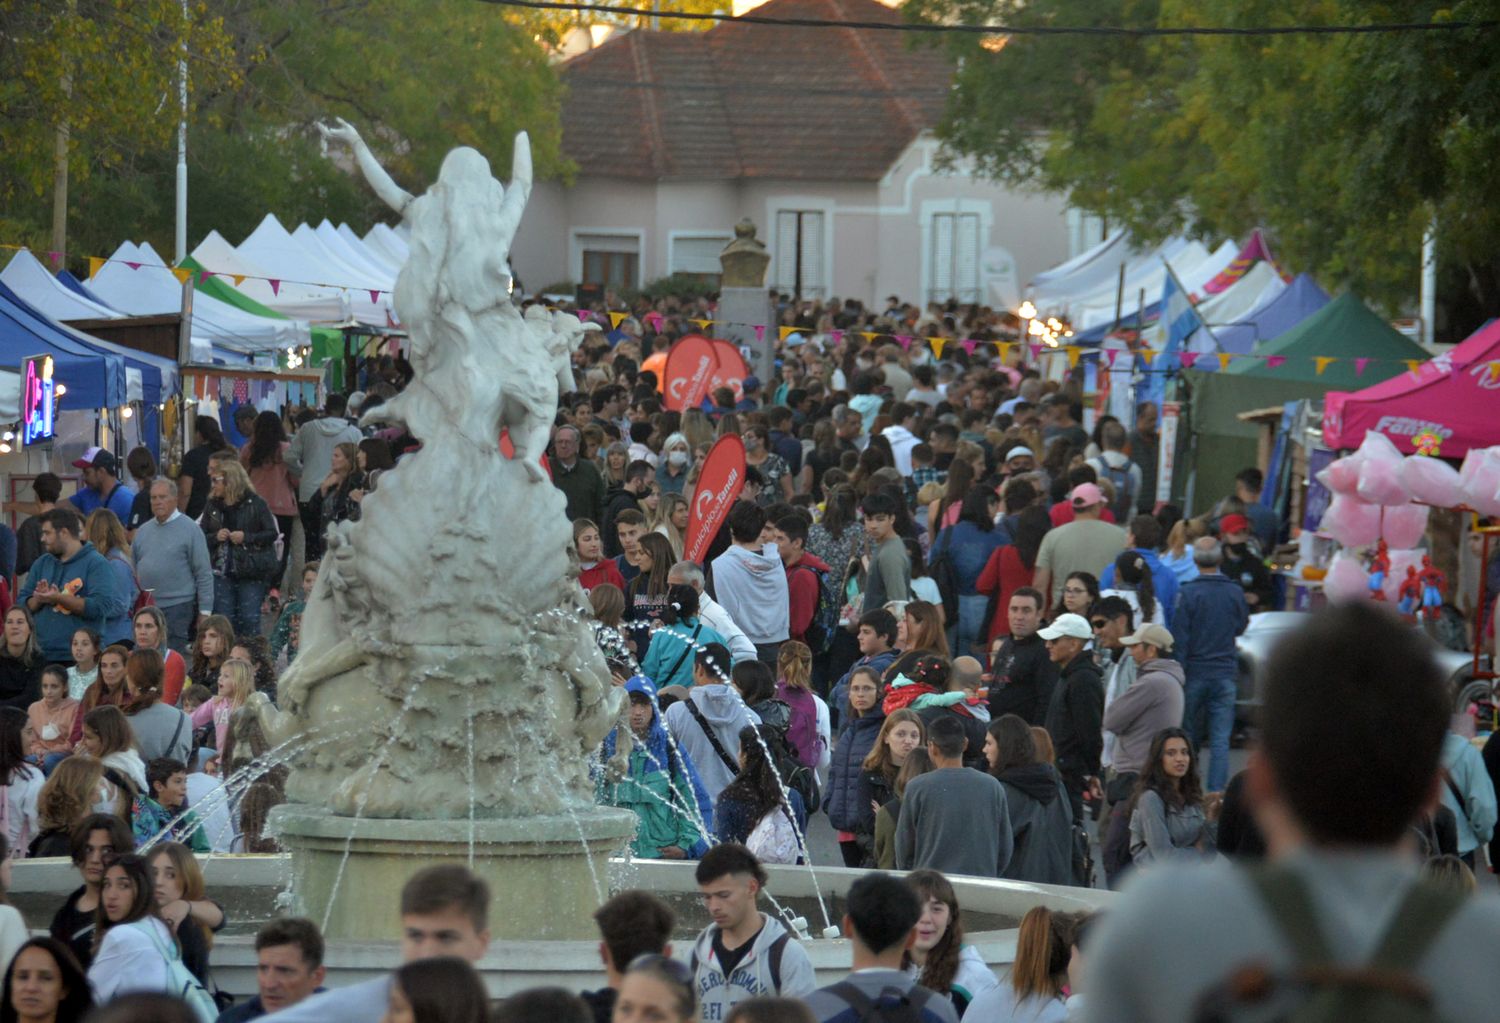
1011 567
594 567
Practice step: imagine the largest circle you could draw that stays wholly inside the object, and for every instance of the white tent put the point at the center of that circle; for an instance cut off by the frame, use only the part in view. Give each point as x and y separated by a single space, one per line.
386 239
1084 273
1260 285
27 277
355 254
289 299
316 273
1146 275
390 256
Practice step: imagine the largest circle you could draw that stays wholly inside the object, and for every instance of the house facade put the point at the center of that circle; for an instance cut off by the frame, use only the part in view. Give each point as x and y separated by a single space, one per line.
822 138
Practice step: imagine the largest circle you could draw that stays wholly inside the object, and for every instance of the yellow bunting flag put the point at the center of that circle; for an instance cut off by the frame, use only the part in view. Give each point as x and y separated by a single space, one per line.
783 332
96 263
1320 363
1147 354
615 319
1224 358
868 335
701 324
1494 370
238 279
1073 352
1412 364
182 273
937 344
1003 347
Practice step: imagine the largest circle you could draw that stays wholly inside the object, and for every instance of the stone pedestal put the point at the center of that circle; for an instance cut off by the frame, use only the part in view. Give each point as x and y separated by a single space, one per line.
739 310
538 868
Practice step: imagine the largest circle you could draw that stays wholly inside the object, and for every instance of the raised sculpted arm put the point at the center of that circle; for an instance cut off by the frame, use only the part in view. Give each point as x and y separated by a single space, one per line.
396 197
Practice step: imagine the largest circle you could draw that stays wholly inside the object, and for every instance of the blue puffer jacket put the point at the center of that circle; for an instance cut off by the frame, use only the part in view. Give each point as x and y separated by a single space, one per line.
855 740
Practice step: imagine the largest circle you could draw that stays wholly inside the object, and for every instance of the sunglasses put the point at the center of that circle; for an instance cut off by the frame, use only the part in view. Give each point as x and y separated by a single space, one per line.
1099 623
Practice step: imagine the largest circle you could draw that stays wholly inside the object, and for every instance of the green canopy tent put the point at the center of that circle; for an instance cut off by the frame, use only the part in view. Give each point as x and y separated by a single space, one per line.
1282 369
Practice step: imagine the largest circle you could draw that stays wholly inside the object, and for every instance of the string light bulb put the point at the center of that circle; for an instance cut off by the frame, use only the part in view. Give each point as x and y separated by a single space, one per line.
127 412
60 390
1027 310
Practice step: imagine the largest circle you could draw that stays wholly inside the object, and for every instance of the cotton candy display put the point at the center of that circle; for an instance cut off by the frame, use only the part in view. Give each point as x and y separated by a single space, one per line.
1404 526
1431 481
1480 480
1346 579
1380 471
1351 522
1342 475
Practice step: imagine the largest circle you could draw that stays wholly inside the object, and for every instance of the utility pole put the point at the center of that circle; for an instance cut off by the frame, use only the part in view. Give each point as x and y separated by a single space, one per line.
182 98
1429 283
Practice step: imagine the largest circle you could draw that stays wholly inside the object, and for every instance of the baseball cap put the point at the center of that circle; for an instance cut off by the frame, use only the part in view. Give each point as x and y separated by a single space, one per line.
1086 495
1019 451
1156 635
1233 524
96 458
750 383
1073 625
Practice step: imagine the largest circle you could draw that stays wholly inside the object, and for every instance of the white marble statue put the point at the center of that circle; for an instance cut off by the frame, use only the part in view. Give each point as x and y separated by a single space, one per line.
442 642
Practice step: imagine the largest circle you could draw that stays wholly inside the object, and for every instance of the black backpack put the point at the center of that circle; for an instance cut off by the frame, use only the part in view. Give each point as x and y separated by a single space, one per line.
1386 989
893 1005
794 775
825 619
1123 506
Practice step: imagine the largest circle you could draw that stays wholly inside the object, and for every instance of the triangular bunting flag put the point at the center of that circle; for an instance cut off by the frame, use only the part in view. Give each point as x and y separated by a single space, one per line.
56 257
1187 359
374 296
1224 358
1320 363
1036 351
837 337
1073 352
96 263
1004 347
1412 364
275 286
1275 361
1494 370
760 331
782 332
869 336
238 279
182 274
1147 355
204 275
969 344
904 340
1360 364
133 266
615 319
937 344
701 324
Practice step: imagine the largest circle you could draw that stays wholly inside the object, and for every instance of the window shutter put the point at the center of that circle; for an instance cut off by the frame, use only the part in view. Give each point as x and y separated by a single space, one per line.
966 259
786 250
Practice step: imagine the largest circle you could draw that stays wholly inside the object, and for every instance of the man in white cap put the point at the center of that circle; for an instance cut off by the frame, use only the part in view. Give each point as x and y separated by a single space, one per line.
101 485
1075 714
1019 459
1087 544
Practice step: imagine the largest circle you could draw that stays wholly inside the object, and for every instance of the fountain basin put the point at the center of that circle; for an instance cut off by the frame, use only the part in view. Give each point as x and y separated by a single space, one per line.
546 873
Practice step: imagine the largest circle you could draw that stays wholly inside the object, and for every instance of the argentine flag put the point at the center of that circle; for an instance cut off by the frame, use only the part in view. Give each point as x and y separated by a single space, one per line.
1180 319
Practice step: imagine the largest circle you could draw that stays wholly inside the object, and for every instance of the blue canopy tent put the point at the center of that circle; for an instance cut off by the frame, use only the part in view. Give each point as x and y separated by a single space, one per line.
1300 300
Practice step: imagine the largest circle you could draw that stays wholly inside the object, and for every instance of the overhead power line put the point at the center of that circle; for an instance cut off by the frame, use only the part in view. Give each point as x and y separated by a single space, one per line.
1012 30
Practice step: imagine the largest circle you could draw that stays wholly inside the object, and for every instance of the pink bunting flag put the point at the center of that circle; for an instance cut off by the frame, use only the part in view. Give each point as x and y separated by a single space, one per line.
204 275
655 320
760 331
1188 358
133 266
375 296
968 345
837 337
275 286
1360 364
56 257
904 340
1274 361
1036 351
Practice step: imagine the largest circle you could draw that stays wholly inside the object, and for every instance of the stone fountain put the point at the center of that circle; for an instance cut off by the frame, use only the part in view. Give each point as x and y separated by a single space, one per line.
447 692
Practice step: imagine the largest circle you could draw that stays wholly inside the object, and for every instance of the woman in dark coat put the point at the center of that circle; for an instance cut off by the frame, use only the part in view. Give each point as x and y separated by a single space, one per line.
862 718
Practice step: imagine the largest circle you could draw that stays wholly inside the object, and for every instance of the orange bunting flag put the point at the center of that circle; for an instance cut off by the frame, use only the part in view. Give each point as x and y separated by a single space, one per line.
96 263
937 344
1412 364
1320 363
1073 352
784 332
1003 347
615 319
238 279
1494 370
1224 358
181 273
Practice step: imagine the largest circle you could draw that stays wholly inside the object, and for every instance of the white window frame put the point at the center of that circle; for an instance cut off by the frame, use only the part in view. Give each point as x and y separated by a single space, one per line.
576 238
673 237
930 208
804 204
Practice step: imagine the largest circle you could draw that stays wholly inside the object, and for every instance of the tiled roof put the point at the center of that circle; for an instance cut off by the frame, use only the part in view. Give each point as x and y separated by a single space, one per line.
754 101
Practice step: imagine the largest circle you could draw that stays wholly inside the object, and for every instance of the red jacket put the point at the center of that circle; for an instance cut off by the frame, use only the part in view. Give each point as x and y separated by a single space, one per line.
1061 514
605 571
802 595
1004 572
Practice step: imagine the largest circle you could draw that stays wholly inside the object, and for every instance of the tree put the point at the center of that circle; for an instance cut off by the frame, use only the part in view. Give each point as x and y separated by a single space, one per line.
1344 146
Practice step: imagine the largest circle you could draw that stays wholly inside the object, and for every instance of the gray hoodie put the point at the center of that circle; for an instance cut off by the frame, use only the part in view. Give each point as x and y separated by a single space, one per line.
310 454
756 976
1152 703
752 588
726 714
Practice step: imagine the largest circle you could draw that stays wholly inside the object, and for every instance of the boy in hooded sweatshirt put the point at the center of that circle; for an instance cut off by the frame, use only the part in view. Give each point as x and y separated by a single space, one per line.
706 726
750 582
744 953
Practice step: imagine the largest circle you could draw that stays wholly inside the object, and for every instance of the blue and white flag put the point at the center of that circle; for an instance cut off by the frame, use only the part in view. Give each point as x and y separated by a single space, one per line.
1180 321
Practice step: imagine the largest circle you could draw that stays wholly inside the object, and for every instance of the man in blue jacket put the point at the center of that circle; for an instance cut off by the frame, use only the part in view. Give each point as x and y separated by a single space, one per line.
1144 537
71 587
1211 611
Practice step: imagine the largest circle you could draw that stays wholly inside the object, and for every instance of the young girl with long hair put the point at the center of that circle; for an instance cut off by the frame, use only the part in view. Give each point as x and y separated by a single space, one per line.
445 989
646 597
160 729
670 519
1168 819
133 946
51 719
241 534
106 532
1041 819
86 648
753 810
808 730
107 738
861 724
1134 585
67 797
902 732
20 782
1038 980
108 690
593 567
264 457
1011 567
888 816
939 959
183 905
211 648
20 658
236 683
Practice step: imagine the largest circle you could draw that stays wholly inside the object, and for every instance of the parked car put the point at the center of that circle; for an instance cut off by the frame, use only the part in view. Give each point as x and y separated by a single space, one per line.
1267 629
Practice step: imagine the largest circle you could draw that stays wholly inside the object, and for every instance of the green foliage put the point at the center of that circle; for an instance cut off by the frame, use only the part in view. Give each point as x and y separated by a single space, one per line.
680 286
1344 147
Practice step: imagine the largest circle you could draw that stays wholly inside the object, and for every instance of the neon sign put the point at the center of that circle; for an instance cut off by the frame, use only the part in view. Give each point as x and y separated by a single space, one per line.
38 401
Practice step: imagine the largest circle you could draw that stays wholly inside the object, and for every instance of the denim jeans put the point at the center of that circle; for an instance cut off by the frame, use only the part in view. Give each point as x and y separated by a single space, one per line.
180 618
969 629
239 600
1208 713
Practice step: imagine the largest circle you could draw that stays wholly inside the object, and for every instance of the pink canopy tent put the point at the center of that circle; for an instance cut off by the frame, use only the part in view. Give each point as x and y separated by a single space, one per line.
1454 398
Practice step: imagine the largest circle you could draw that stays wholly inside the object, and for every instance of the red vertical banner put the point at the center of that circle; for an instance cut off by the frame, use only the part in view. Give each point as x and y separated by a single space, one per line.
690 368
719 484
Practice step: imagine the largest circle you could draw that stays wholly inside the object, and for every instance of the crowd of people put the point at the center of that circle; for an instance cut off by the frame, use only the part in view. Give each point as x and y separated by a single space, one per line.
941 613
